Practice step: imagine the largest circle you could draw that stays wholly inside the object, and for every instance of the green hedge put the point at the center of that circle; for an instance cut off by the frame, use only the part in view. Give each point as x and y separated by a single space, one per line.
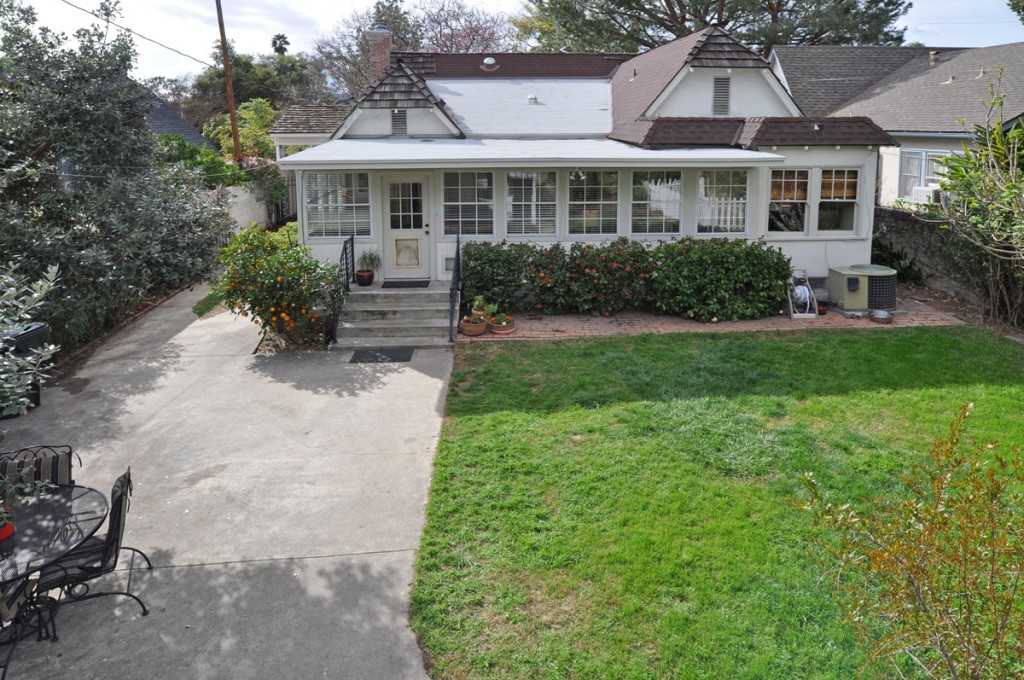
703 279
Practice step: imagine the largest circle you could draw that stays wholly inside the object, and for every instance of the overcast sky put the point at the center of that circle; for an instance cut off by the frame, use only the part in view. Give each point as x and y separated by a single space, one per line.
190 26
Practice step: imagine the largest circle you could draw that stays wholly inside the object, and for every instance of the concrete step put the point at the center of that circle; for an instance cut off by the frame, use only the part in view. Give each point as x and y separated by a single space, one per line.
365 311
397 295
393 328
347 344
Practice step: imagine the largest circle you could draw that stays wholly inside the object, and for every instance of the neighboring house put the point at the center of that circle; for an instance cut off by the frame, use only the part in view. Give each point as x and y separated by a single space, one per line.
928 99
163 120
695 138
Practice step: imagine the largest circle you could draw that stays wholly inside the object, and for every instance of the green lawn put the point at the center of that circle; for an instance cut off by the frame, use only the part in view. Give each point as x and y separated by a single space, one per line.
615 508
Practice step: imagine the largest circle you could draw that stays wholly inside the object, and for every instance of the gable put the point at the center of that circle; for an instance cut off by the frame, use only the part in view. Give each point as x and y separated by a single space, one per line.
751 92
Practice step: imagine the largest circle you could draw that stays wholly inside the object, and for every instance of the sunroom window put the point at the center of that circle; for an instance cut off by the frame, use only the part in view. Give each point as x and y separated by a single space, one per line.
593 202
531 202
787 211
722 202
657 202
337 204
469 203
837 210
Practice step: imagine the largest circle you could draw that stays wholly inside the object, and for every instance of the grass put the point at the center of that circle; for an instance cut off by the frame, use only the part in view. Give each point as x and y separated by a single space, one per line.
616 508
207 304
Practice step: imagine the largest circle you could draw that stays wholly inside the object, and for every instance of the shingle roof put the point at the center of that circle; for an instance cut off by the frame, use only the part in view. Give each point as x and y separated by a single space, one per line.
643 78
311 119
163 120
753 133
511 65
399 87
921 97
823 77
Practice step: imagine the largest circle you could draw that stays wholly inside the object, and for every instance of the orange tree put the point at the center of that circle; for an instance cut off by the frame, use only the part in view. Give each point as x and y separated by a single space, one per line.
282 288
933 581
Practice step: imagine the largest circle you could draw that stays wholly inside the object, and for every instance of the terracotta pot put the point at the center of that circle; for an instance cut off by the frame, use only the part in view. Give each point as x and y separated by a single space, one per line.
472 328
6 530
364 277
503 330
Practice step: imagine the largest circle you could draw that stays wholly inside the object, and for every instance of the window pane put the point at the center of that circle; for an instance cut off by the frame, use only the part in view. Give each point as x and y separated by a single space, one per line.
468 203
835 216
657 202
593 202
722 202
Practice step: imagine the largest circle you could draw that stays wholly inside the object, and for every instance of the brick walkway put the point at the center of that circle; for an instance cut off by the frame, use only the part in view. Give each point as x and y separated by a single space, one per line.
539 327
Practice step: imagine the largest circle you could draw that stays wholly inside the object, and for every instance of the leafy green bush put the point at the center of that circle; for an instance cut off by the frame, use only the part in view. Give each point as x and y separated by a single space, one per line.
283 289
724 279
496 271
20 300
719 279
215 171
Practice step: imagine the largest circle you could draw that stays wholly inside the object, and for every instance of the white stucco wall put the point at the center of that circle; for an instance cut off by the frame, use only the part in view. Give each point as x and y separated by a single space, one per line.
750 94
245 209
377 123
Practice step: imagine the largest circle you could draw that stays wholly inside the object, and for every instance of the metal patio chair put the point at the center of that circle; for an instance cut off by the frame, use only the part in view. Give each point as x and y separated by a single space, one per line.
52 464
95 557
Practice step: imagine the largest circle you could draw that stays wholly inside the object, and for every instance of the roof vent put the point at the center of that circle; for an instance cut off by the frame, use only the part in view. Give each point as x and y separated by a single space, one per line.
933 57
951 79
490 64
720 98
532 99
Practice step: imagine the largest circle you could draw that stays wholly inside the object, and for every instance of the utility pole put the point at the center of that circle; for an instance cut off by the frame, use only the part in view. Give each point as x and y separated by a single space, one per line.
227 79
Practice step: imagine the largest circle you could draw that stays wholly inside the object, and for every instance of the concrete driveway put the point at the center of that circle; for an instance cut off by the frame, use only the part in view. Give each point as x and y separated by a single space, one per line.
281 499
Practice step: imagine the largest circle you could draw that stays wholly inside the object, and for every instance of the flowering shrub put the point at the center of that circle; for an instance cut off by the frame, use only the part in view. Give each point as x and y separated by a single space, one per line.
281 288
723 279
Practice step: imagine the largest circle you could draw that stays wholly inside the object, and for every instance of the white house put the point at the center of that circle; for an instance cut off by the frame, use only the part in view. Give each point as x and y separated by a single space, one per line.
927 98
696 138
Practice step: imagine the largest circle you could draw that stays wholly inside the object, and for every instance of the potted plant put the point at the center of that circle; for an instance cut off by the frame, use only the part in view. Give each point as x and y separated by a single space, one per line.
368 263
11 494
502 324
479 306
473 324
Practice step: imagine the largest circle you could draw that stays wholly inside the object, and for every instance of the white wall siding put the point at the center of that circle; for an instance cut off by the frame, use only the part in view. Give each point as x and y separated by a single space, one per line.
889 182
750 94
377 123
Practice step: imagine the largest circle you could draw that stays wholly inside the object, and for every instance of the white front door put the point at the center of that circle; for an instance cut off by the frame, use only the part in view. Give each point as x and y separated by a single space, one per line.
407 251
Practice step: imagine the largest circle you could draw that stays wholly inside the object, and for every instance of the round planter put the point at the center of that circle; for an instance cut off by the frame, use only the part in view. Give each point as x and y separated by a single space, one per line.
364 277
472 328
503 330
7 530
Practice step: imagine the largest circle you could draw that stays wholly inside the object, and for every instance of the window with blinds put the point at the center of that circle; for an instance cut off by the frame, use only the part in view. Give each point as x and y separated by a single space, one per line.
531 202
337 204
469 203
720 98
657 204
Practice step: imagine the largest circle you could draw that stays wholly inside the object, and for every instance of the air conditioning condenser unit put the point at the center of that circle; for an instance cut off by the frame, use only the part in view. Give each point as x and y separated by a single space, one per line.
862 287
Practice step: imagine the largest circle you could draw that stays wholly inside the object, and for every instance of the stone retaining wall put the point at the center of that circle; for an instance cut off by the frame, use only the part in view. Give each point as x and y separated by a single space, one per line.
924 242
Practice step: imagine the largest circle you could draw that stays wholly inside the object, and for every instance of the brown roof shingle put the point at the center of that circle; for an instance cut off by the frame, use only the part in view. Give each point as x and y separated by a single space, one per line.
754 133
311 119
512 64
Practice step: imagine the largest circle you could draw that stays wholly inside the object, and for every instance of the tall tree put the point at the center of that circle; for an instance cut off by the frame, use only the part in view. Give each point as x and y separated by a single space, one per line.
631 25
450 26
279 43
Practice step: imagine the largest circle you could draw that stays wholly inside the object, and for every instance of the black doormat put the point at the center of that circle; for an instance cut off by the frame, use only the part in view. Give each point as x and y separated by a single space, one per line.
403 283
385 355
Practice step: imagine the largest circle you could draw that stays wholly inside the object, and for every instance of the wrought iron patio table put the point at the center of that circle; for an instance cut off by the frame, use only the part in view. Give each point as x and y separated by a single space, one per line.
48 527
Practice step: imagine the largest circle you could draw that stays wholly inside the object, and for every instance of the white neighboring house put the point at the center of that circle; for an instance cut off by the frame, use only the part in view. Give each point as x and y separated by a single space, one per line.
927 98
696 138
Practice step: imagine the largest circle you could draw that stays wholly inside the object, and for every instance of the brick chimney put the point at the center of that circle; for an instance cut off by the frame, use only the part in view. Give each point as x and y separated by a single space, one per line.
380 48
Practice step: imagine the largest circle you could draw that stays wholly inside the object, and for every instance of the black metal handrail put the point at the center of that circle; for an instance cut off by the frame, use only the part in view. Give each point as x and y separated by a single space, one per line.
455 290
347 263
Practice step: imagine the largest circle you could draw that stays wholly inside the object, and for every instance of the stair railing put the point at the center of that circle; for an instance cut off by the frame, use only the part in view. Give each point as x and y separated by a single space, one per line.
455 290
